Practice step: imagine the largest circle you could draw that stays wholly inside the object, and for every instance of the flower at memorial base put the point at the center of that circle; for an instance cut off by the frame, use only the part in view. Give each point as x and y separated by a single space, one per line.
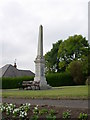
23 114
9 108
25 107
67 114
36 110
16 112
2 107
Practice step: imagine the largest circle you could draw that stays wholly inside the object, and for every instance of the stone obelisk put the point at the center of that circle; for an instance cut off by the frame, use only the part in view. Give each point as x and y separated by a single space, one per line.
40 62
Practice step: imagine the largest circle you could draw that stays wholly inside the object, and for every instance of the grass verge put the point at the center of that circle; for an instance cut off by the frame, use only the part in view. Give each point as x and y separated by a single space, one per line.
67 92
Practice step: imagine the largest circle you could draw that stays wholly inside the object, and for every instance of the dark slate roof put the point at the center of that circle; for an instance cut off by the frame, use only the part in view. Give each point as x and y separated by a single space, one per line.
10 71
3 69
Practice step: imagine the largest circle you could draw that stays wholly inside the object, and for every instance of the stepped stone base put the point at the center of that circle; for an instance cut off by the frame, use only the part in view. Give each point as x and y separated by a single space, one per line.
43 83
45 87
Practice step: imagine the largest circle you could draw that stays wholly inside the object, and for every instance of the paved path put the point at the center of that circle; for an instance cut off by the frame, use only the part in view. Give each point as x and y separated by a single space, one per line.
59 103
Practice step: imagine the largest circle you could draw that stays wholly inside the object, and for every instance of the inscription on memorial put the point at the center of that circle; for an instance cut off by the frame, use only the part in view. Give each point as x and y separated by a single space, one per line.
42 71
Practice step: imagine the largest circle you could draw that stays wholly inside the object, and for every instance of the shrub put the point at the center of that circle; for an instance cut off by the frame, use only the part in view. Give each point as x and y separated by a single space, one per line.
75 68
59 79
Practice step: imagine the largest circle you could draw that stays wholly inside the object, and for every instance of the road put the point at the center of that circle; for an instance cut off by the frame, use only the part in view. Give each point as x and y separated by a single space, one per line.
59 103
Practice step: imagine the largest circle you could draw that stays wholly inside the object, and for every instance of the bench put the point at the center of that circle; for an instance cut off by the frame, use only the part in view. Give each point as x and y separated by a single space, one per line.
30 85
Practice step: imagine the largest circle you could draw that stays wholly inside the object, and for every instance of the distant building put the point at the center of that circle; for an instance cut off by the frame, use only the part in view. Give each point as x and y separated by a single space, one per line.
12 71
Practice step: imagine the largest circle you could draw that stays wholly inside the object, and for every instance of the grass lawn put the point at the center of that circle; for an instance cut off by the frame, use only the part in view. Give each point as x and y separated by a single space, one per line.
65 92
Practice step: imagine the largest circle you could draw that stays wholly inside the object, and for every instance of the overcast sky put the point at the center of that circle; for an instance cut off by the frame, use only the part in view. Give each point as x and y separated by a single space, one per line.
19 25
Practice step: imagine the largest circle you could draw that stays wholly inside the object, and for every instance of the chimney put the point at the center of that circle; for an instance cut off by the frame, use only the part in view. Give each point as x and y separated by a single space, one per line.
15 65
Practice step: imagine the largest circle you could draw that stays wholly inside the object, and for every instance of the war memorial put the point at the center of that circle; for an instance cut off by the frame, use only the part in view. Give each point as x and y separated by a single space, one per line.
40 63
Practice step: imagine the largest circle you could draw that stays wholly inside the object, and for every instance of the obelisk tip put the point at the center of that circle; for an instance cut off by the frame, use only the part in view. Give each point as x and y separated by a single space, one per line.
41 26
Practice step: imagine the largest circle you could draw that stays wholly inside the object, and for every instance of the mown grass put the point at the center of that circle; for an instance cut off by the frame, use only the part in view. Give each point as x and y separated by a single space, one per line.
67 92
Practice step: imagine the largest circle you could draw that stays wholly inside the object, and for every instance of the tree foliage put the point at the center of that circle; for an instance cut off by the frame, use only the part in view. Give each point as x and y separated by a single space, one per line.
52 59
63 52
74 48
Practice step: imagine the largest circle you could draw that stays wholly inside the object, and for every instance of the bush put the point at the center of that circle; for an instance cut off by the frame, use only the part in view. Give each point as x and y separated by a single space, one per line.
59 79
75 68
10 83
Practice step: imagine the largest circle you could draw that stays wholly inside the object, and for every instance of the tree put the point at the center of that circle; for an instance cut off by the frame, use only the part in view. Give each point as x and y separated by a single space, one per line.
64 52
52 59
74 48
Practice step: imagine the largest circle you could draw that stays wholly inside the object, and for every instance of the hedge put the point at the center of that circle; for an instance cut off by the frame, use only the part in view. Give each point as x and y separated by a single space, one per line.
60 79
54 80
10 83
